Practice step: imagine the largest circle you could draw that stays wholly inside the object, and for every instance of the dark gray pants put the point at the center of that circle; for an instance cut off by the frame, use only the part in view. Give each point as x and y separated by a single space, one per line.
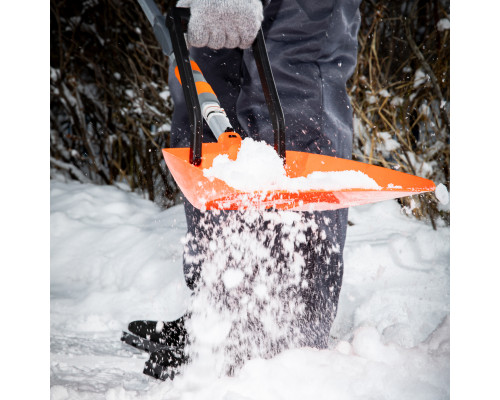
312 47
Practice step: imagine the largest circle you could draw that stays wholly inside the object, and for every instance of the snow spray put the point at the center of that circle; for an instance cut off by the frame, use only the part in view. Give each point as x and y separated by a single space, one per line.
248 300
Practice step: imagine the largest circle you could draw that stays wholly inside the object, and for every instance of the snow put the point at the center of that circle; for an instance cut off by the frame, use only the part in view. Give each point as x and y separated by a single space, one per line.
165 94
442 194
232 278
425 110
443 24
388 143
371 98
258 167
116 257
419 79
384 93
397 101
246 291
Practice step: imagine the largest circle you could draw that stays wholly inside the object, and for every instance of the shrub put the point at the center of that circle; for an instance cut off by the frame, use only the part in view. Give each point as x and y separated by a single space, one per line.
400 93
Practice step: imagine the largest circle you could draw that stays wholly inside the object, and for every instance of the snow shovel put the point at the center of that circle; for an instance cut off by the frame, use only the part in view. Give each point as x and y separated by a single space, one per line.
189 165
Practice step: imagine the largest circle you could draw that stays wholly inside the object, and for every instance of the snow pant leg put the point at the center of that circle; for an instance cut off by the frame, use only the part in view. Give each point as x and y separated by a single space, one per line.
194 248
323 273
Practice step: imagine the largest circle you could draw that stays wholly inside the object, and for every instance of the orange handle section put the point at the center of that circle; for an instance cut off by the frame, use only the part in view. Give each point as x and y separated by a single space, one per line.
201 86
194 67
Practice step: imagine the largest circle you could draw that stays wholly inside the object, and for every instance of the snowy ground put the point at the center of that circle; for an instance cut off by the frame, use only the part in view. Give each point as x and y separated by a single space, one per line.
116 257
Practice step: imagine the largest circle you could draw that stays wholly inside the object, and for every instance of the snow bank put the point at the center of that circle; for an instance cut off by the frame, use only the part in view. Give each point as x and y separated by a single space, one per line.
116 257
258 167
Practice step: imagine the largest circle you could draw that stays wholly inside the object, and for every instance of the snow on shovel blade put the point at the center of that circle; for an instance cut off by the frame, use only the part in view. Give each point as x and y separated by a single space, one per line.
214 194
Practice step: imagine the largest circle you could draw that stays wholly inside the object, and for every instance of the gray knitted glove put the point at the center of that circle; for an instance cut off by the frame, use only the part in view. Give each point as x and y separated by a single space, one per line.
223 23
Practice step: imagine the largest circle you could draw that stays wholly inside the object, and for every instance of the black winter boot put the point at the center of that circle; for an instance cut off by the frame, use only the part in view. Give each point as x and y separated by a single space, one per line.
151 336
164 364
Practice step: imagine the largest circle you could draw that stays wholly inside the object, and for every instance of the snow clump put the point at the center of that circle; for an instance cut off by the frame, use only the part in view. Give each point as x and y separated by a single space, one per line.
442 194
259 168
443 24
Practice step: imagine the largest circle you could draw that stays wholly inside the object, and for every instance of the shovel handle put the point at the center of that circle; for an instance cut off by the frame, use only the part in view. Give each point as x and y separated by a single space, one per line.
211 109
270 93
176 22
196 89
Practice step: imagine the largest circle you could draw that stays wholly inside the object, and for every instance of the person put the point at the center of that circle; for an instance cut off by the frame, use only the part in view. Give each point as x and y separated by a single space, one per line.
312 46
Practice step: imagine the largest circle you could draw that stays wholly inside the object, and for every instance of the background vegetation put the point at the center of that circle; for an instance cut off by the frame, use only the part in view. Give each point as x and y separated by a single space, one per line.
111 109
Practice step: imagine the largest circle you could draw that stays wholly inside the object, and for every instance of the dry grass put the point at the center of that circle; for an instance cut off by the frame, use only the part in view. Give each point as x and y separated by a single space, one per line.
110 104
400 93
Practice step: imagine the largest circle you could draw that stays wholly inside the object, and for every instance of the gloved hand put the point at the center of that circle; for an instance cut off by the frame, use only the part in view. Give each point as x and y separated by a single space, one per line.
223 23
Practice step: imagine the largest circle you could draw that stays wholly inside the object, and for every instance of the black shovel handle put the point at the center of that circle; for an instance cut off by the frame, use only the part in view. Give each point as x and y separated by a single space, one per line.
270 93
176 21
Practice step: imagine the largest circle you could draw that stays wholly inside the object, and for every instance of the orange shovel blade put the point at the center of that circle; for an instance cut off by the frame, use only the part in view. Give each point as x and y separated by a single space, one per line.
215 194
